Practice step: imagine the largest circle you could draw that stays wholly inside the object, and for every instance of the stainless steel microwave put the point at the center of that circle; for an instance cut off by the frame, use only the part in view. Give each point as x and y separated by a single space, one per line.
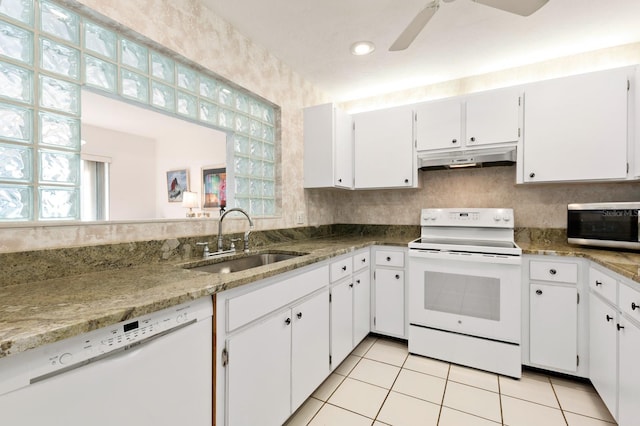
604 224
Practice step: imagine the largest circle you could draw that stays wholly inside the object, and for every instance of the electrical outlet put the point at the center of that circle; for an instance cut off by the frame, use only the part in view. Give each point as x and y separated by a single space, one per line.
300 218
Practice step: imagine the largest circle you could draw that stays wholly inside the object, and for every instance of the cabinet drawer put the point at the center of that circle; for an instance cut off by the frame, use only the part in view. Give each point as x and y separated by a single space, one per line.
553 272
248 307
341 268
390 258
361 260
630 301
603 284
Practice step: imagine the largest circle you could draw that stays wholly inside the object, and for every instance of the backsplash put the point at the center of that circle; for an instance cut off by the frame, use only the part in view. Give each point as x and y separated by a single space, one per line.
28 266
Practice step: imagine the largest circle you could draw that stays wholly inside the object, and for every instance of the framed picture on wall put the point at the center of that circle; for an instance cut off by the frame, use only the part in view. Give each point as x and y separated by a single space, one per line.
214 187
177 183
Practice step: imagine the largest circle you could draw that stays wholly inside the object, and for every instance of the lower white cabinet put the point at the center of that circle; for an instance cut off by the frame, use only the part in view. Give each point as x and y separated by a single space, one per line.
389 301
603 351
629 384
341 321
553 331
276 364
361 305
615 345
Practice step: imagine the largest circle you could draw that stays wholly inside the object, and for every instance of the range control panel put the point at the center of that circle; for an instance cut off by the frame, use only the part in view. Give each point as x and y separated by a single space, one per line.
480 218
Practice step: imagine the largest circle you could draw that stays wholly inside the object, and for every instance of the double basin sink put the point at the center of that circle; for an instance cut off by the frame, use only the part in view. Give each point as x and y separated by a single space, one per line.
237 264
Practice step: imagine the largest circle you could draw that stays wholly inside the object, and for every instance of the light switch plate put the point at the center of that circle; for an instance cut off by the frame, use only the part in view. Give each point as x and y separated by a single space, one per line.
300 217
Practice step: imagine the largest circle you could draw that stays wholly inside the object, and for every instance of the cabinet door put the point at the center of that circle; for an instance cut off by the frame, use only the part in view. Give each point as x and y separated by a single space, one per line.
309 347
259 373
343 144
576 128
341 321
629 409
438 125
493 117
603 350
318 146
384 155
553 326
389 302
361 306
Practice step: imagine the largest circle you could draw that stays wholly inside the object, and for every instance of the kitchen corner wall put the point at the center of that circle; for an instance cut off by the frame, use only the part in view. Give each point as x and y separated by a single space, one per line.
189 28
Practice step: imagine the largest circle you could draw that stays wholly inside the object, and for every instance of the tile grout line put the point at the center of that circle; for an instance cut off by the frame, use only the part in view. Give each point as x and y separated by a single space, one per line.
446 381
553 388
389 390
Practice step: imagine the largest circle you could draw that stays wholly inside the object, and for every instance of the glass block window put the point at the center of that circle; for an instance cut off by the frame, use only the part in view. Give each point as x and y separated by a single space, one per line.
45 59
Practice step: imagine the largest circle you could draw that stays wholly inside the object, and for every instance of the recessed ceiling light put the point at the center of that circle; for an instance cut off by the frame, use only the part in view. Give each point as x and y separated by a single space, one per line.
362 48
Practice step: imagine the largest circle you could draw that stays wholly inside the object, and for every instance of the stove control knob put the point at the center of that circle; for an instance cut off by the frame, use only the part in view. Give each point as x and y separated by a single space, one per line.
497 217
65 358
506 218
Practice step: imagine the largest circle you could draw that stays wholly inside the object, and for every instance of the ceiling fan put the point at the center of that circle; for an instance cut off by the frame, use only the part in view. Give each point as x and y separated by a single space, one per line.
519 7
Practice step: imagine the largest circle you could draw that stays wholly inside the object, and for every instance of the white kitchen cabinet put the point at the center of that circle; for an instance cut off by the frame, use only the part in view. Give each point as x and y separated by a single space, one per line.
341 321
309 347
629 381
486 118
384 149
328 147
389 301
361 305
603 351
553 326
276 364
575 128
259 373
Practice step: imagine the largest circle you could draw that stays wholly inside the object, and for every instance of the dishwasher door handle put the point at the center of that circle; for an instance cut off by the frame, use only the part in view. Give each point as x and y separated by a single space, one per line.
112 353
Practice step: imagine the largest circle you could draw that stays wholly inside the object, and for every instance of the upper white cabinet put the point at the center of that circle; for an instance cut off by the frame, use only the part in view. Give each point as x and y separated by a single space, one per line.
328 147
575 128
465 122
384 149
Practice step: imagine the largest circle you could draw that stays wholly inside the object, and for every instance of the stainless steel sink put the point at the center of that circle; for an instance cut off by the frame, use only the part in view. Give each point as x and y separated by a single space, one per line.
244 263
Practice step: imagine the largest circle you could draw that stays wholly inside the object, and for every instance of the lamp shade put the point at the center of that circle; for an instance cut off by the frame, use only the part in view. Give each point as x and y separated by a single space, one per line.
190 199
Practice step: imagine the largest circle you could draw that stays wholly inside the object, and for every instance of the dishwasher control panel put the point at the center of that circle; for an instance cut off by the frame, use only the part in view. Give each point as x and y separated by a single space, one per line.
42 362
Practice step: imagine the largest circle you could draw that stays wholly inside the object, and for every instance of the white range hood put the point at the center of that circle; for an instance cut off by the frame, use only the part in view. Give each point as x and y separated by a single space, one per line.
479 157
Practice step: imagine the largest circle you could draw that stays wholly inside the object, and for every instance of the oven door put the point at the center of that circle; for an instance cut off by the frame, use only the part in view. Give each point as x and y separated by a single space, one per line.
468 293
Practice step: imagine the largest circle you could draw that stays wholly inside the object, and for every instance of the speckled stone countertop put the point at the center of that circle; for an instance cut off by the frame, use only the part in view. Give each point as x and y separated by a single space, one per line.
46 311
553 242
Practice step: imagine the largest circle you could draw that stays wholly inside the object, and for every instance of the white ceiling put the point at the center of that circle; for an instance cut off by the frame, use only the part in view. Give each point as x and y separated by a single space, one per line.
464 38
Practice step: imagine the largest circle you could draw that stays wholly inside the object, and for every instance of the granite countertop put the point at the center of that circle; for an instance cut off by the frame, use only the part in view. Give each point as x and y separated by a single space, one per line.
46 311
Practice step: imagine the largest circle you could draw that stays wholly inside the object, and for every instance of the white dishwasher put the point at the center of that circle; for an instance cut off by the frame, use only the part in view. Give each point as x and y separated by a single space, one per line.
152 370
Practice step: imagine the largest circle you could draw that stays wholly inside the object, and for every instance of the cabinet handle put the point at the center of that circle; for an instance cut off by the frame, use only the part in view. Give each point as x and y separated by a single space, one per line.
344 268
397 276
634 306
406 181
339 180
357 281
620 327
473 139
388 259
287 321
538 292
364 260
609 317
553 271
454 141
299 315
532 175
351 285
598 283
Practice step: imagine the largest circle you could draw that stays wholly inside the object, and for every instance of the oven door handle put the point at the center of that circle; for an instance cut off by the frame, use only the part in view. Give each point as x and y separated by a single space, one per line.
466 257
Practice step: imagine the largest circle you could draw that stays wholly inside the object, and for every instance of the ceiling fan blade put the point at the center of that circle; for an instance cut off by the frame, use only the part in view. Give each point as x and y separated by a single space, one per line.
519 7
414 28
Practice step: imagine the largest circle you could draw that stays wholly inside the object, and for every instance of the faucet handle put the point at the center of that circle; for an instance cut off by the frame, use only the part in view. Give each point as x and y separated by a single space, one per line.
233 243
205 251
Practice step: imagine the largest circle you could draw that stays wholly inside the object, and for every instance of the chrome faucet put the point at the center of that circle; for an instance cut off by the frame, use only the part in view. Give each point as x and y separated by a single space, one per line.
246 234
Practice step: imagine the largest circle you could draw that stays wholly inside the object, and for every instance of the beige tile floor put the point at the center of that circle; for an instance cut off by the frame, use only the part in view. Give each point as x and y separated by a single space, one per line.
381 384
